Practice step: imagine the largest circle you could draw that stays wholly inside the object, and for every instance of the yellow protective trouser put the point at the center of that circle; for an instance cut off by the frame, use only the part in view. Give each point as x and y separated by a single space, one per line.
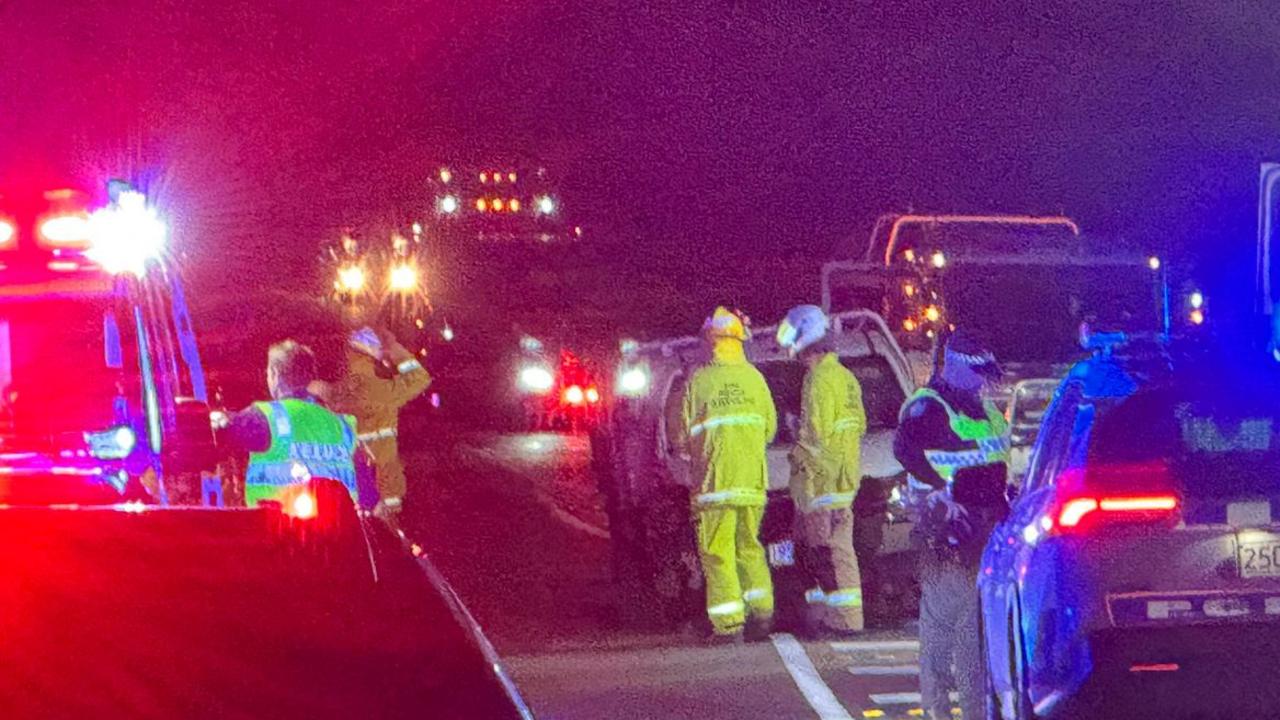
390 471
734 565
826 539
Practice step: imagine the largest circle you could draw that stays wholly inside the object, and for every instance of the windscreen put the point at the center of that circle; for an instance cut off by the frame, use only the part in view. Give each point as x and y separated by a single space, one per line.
1218 442
1032 313
882 396
64 364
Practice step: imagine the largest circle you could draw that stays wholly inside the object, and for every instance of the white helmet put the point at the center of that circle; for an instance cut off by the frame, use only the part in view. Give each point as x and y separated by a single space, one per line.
803 326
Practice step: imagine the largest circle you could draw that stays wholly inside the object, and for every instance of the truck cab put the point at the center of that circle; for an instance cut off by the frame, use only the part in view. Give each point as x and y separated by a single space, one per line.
648 479
102 394
1026 284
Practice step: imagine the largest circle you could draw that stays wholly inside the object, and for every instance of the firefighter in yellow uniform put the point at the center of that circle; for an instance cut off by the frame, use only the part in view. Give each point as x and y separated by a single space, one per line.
375 401
728 419
826 473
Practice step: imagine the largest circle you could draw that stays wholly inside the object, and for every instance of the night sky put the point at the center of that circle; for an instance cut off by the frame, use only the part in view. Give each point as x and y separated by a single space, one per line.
714 151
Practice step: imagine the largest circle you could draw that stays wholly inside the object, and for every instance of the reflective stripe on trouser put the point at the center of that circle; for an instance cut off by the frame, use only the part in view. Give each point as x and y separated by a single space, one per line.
827 555
949 630
734 565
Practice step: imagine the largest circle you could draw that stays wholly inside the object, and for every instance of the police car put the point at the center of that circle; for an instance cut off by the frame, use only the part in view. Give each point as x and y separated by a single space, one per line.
648 479
1138 573
102 392
304 609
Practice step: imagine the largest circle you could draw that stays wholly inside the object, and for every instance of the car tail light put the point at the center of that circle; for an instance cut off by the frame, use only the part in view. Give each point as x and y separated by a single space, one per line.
1142 495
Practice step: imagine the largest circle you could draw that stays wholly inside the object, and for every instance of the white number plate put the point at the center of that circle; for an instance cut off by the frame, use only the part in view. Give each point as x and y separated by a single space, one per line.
782 554
1260 559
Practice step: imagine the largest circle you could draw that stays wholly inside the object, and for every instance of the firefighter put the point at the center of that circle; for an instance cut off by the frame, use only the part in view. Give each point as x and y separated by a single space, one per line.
375 401
954 445
292 438
825 473
728 419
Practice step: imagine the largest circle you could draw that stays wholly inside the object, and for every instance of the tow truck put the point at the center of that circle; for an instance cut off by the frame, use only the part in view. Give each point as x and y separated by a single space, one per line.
102 392
646 481
1026 283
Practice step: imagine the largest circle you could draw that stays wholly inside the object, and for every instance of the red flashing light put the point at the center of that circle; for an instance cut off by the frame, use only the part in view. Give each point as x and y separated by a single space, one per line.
302 506
1154 667
65 231
8 234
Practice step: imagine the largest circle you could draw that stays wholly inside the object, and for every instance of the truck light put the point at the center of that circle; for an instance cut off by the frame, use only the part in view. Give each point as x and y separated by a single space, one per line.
449 204
447 333
445 175
938 260
546 205
1196 317
1196 300
593 395
303 506
482 204
1153 262
514 204
909 325
114 444
65 231
351 279
7 233
932 314
125 235
404 278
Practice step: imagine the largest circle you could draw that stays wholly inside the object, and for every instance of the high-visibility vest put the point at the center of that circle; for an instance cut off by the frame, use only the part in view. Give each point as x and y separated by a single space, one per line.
307 441
988 438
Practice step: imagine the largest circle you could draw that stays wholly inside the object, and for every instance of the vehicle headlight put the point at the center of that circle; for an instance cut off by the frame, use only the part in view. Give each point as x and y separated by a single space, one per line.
114 444
536 379
633 382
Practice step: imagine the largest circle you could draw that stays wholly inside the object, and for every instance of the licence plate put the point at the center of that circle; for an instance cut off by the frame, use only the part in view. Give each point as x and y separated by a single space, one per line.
782 554
1260 559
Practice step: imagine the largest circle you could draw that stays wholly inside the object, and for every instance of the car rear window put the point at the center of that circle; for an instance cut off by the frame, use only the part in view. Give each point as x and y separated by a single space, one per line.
1218 441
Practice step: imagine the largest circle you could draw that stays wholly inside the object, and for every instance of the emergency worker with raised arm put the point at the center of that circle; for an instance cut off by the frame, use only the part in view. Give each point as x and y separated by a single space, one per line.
291 438
375 399
728 419
954 445
826 473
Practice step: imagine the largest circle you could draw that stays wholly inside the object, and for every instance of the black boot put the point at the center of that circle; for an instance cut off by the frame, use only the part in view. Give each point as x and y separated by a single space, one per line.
758 629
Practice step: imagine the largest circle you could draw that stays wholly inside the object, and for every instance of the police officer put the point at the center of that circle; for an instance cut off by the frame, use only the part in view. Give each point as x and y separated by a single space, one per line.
954 446
825 472
728 419
292 438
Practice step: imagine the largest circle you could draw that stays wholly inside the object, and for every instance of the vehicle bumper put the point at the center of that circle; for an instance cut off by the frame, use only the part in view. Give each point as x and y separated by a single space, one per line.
1212 670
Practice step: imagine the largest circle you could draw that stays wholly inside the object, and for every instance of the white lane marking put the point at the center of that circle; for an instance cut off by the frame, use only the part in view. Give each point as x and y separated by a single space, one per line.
899 670
868 645
902 698
807 679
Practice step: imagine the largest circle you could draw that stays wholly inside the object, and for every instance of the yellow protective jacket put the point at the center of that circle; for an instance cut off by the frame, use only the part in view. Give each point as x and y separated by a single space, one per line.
827 455
376 402
727 421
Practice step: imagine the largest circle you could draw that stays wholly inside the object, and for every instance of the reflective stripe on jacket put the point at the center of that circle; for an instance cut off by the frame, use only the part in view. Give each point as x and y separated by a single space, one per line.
826 461
988 438
728 420
307 440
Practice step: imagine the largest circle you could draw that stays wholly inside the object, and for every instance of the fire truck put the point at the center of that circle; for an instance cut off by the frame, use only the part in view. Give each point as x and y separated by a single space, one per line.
102 392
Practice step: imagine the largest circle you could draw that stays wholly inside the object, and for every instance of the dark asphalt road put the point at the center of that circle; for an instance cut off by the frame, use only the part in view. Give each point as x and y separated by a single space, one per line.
515 524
